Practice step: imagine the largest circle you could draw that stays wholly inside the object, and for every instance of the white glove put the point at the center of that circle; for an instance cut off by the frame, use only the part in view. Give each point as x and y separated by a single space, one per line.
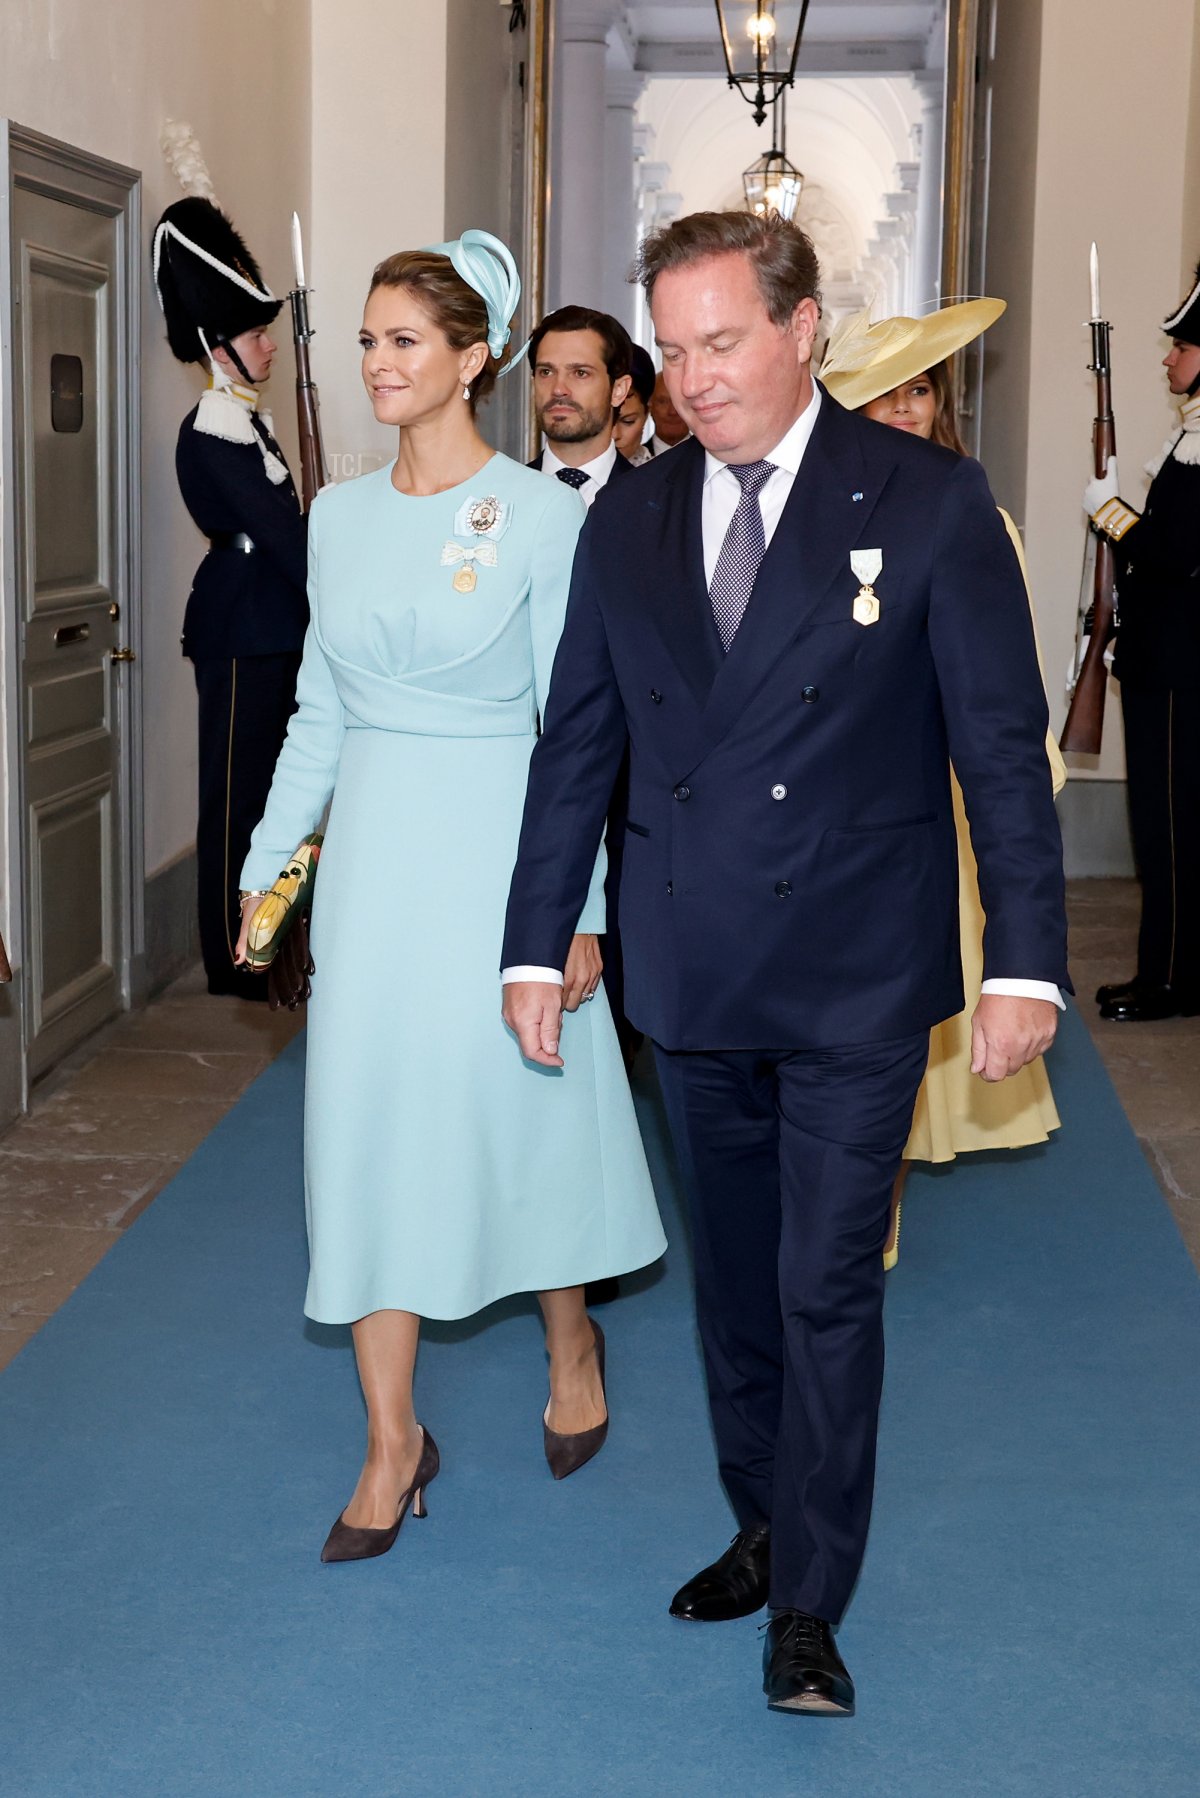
1104 487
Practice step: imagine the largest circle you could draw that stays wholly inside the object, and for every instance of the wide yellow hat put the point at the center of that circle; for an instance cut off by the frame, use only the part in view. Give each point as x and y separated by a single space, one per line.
863 360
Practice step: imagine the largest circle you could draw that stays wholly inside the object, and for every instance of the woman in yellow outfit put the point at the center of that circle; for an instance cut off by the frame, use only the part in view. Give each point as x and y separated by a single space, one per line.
897 372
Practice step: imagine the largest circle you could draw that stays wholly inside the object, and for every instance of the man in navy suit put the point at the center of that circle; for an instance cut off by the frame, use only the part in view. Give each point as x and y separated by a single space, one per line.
796 621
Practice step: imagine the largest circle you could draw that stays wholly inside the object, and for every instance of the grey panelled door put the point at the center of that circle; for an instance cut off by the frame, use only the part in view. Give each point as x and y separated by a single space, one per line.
65 269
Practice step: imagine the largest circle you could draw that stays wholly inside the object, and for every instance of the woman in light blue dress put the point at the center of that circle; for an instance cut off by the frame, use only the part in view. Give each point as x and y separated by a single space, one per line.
439 1175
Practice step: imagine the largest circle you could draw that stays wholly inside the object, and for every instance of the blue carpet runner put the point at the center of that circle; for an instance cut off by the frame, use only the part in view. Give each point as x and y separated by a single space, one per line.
176 1442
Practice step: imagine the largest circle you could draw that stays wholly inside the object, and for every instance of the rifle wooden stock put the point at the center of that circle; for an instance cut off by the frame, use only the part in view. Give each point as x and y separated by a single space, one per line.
308 406
1084 728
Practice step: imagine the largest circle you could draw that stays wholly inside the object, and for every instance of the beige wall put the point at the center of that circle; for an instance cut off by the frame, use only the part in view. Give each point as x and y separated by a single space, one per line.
379 123
478 181
1110 147
1191 179
420 165
104 78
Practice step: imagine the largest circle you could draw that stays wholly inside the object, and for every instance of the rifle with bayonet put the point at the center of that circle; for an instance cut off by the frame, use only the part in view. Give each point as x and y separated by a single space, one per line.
313 475
1097 617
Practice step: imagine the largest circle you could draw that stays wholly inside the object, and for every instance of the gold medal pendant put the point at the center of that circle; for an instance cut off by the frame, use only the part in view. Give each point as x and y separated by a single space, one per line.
866 606
465 579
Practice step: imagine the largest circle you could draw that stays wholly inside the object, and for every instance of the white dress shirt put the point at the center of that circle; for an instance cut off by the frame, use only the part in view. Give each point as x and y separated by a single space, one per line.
597 470
722 491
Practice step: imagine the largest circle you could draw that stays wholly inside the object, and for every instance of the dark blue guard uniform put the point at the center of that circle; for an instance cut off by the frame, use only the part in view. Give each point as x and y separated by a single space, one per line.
248 611
243 631
1157 662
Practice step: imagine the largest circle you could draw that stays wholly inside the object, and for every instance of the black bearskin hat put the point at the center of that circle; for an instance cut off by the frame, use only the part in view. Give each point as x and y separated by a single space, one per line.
1185 323
207 280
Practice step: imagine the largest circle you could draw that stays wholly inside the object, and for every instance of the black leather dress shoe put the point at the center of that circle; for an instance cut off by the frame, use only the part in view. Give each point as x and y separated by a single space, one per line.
734 1586
802 1670
1148 1004
1117 989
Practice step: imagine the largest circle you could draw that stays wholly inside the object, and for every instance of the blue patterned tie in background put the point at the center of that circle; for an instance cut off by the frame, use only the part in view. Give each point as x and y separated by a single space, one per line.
574 477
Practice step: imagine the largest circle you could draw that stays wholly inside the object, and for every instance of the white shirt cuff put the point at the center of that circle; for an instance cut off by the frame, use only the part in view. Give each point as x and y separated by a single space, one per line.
552 976
1026 989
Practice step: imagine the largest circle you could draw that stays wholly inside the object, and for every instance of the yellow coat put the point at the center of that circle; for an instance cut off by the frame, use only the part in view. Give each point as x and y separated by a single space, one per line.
956 1111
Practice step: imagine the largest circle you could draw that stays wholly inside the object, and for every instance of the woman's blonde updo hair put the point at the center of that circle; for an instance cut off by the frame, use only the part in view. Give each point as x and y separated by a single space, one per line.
459 313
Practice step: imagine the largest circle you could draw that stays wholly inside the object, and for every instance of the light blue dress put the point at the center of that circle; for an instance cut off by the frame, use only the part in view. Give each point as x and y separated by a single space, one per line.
442 1171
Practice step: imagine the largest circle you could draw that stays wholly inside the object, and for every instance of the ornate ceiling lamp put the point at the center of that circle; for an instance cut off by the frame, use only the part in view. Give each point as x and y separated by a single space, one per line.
772 183
761 41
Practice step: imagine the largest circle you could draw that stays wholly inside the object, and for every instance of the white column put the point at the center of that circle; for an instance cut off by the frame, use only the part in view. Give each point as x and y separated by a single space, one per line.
652 178
579 202
620 194
903 207
928 136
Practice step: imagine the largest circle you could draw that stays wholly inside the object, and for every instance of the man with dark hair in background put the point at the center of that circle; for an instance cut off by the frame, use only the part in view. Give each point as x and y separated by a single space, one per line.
580 361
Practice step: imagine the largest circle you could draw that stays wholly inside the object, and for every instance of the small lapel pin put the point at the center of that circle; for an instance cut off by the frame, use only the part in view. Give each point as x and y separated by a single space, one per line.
856 496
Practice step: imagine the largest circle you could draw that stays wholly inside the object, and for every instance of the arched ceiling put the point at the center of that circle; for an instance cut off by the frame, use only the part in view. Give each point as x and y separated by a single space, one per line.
846 136
841 37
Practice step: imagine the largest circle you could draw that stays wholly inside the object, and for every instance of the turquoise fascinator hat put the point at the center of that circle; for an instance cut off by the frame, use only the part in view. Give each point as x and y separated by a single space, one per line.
487 265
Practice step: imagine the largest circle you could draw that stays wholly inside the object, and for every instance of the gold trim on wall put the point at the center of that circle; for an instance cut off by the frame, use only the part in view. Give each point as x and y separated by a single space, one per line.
966 173
962 30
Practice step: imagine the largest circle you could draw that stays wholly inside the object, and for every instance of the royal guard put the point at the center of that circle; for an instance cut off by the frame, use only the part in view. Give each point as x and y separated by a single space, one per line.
247 613
1157 662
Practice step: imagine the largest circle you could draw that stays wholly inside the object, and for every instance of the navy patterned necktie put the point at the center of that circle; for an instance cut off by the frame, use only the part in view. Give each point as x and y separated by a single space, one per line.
743 549
574 477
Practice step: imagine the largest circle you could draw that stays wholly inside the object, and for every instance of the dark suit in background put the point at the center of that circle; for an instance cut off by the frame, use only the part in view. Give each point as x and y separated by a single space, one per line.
789 905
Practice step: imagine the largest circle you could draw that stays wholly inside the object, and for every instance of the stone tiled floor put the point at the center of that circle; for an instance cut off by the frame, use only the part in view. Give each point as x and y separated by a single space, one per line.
114 1123
108 1130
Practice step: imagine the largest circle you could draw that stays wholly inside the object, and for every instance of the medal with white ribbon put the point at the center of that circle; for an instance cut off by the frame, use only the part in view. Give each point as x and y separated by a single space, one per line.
866 566
464 556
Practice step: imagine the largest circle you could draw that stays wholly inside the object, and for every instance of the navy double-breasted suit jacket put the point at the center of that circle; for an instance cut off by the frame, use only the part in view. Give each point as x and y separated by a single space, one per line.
790 865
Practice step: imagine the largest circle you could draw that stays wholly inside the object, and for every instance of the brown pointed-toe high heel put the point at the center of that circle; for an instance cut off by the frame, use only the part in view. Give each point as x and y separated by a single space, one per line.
346 1542
567 1454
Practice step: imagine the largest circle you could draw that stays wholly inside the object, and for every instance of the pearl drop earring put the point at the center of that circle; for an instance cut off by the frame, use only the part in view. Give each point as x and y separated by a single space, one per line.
466 392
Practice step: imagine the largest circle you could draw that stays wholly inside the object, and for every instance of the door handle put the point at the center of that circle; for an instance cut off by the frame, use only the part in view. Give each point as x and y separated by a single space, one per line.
122 655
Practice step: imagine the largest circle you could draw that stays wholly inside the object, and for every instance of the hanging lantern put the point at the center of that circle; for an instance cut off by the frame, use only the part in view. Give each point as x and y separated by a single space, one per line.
761 40
772 183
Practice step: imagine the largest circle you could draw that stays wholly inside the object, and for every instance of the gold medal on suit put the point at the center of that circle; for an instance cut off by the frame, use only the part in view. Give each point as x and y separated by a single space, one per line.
866 566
